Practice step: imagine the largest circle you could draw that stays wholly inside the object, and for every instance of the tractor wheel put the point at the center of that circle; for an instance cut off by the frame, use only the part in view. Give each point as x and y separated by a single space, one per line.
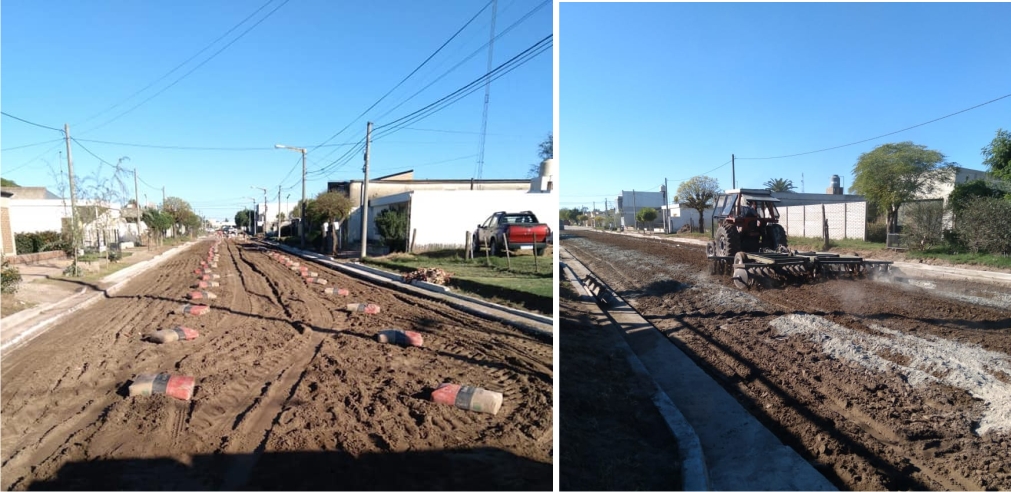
728 241
777 238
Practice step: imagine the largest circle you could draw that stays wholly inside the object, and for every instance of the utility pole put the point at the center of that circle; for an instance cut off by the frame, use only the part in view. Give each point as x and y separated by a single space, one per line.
136 201
666 207
279 212
593 214
73 195
733 178
163 198
607 214
635 216
365 190
487 90
301 214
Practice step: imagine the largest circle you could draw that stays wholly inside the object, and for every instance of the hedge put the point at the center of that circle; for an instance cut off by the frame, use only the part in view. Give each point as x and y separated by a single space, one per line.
38 242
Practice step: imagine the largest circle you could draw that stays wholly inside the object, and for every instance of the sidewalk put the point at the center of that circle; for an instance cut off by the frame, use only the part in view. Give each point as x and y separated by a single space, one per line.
58 302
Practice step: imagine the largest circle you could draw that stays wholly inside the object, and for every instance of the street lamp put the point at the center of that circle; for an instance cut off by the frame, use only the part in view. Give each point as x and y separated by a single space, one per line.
301 213
264 208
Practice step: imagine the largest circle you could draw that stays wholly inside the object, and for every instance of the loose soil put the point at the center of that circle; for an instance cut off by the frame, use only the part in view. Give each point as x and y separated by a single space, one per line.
291 392
613 437
881 385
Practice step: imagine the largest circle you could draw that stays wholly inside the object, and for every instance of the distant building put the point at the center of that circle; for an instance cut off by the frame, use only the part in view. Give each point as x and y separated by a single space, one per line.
6 235
631 202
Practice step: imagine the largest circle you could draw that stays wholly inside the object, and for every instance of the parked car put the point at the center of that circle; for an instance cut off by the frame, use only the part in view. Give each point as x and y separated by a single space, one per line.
520 231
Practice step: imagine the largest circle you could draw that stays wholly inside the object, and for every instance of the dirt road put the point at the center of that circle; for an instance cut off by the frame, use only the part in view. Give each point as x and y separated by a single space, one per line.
290 392
881 385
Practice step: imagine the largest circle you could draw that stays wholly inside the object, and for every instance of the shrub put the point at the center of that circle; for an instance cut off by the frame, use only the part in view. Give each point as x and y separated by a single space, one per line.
983 225
25 242
10 278
924 223
37 242
877 232
392 225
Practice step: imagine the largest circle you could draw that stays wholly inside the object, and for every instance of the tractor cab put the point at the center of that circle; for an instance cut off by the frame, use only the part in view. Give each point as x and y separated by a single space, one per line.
746 220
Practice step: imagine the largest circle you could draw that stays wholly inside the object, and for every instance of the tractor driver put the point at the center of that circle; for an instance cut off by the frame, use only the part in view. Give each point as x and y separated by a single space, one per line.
749 210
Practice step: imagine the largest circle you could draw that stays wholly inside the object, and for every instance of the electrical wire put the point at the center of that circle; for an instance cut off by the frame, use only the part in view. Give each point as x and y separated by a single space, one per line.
177 67
31 145
520 59
176 81
33 159
879 136
363 113
472 55
30 122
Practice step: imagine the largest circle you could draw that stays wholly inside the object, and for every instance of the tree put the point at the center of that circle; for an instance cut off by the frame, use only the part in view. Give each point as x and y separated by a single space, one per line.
698 193
330 207
646 216
976 188
780 185
9 183
545 150
895 173
158 222
178 209
243 218
998 155
392 225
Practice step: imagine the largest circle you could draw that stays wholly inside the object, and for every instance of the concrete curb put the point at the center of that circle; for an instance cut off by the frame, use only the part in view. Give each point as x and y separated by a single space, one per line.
79 301
739 452
694 474
528 322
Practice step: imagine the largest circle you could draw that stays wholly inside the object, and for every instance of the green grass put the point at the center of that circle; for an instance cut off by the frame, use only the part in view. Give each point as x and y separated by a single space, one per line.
817 244
943 253
521 285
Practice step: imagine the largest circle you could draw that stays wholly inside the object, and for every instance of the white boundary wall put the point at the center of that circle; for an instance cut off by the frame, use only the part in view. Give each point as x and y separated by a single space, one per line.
442 217
847 220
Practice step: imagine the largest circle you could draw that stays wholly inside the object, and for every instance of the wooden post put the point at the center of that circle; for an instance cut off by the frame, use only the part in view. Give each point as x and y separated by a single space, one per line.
824 227
487 253
509 262
468 253
414 235
534 234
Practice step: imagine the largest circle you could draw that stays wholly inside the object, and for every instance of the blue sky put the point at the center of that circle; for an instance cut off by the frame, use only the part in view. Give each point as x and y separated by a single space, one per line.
308 70
649 91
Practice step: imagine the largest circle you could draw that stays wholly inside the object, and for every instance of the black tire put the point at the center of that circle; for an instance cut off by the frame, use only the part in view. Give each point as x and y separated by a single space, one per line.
495 249
475 247
777 236
540 251
728 240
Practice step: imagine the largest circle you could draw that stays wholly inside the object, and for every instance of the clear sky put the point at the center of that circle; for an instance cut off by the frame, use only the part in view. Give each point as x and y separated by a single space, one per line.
650 90
301 75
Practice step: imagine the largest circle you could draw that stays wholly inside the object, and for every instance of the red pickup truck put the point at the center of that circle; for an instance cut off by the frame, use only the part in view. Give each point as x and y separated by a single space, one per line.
519 230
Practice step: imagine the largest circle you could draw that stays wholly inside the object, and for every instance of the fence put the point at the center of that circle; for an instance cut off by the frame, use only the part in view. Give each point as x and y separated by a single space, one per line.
847 220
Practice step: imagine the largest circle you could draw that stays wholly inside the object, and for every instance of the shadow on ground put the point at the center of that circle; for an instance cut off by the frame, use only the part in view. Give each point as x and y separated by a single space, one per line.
456 469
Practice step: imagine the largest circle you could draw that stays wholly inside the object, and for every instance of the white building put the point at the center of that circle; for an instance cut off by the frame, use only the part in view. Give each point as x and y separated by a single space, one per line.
35 209
631 202
442 210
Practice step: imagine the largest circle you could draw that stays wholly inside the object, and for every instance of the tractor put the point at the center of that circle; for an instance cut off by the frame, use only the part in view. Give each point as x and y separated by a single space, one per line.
747 236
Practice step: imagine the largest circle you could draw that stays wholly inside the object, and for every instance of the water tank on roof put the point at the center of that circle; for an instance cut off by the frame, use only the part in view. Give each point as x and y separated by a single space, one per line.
835 180
546 176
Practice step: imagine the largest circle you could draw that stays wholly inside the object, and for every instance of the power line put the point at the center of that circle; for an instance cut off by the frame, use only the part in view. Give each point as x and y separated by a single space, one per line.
518 60
33 159
31 145
31 122
879 136
176 81
451 38
472 55
177 67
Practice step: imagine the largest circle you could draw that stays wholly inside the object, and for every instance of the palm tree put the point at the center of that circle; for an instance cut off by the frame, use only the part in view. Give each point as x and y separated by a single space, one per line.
780 185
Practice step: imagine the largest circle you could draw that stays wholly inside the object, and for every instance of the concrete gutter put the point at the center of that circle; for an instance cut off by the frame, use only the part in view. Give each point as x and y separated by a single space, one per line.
694 474
534 324
23 327
738 452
